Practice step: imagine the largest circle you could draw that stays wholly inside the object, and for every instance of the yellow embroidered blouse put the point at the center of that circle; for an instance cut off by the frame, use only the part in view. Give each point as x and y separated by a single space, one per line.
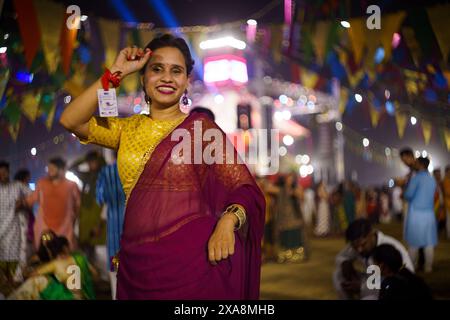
134 138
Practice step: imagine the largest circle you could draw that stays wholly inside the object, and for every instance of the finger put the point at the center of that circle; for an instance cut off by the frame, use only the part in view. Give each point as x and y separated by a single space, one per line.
127 53
211 254
140 53
218 253
224 252
133 53
231 249
144 59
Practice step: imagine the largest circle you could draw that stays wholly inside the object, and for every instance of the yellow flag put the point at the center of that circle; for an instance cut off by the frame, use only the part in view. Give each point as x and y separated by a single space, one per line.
30 105
390 23
426 129
374 116
75 85
50 117
447 138
439 16
319 39
355 78
362 38
343 98
14 130
409 36
308 78
400 119
110 33
50 18
357 38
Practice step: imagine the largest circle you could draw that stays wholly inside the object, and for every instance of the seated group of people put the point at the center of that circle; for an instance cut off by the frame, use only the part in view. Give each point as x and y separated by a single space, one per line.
354 279
56 273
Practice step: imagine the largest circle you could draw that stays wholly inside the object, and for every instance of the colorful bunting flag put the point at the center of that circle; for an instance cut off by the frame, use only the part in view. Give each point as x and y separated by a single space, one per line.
400 119
13 130
29 28
67 43
426 130
110 34
439 16
50 19
30 105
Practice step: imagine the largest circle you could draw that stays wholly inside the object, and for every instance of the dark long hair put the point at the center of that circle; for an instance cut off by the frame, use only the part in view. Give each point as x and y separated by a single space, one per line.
51 246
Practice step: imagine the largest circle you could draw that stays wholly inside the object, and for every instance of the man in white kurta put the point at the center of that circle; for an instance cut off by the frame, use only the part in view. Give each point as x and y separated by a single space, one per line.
12 195
363 239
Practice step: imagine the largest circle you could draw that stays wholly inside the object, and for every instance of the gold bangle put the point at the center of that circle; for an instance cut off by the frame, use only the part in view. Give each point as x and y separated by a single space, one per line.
239 212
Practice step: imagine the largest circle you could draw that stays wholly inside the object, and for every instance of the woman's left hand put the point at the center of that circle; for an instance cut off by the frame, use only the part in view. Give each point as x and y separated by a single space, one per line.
221 242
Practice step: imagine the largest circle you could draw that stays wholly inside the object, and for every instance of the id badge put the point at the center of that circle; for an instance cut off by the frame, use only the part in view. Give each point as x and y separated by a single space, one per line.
107 103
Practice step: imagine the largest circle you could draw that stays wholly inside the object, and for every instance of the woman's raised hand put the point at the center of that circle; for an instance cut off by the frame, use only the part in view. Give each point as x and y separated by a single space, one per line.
130 60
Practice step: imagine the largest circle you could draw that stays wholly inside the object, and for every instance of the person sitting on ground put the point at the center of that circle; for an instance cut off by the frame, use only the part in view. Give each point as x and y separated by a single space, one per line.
398 283
56 278
362 240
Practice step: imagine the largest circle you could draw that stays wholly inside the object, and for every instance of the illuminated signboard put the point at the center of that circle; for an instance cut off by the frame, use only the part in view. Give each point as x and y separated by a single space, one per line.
225 69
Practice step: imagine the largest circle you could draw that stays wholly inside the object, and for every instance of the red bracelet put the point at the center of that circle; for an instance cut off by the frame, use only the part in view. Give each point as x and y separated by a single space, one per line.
113 78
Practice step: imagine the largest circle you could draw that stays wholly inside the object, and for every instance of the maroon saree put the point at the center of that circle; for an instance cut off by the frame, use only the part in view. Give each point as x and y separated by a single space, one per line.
172 212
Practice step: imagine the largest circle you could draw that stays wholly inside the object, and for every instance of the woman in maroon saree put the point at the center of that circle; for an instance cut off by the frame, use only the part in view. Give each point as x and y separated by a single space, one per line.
171 214
179 239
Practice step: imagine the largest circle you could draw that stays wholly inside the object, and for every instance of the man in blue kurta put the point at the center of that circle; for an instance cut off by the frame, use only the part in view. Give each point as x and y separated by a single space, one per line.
421 226
110 194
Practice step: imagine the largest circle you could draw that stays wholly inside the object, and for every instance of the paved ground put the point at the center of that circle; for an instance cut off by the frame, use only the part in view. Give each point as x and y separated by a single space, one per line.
312 279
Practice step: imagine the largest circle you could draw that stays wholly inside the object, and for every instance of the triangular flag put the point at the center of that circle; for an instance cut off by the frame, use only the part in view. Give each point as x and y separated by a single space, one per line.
13 130
30 105
400 119
319 39
50 18
29 28
390 23
343 98
357 38
447 138
439 21
50 117
47 103
308 78
374 116
75 85
426 129
110 33
67 43
12 112
409 36
4 78
355 78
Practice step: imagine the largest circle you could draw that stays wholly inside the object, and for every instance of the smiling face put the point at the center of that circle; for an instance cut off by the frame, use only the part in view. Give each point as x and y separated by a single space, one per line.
165 78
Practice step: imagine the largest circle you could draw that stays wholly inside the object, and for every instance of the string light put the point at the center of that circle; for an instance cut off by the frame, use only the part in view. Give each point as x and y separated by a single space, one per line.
366 142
